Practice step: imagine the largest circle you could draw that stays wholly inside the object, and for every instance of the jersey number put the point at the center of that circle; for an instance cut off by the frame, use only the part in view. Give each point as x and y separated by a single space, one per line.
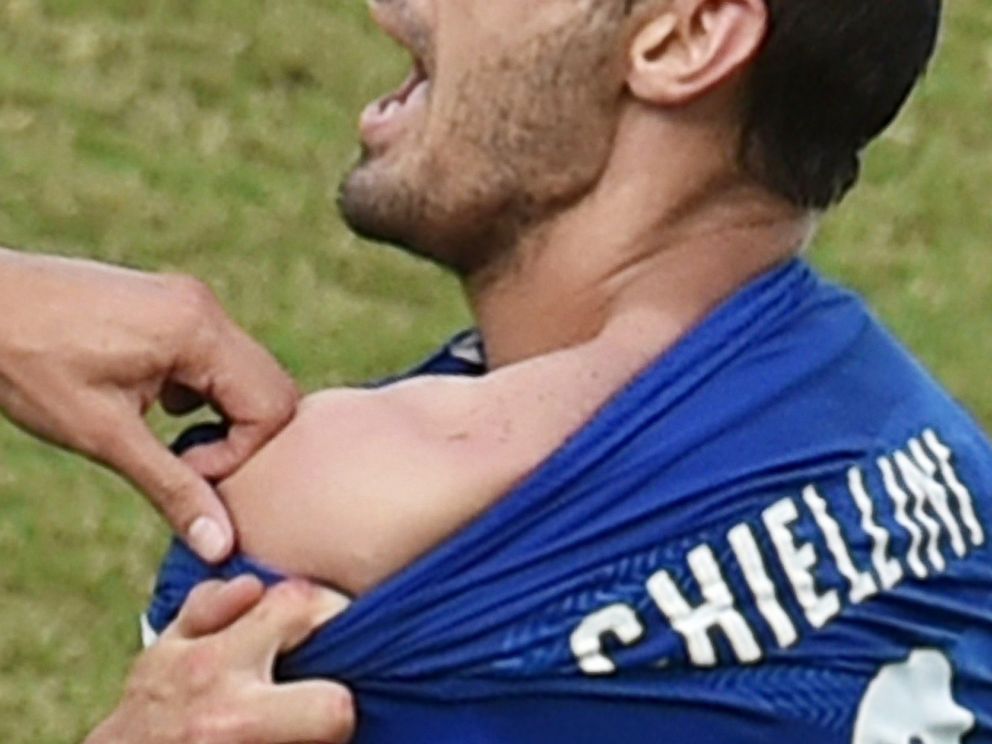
911 702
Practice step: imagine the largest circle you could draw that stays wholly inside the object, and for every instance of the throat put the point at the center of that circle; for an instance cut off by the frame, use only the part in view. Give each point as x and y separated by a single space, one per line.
535 313
567 294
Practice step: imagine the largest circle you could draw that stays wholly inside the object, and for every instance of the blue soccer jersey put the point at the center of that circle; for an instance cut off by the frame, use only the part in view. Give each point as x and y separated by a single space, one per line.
780 531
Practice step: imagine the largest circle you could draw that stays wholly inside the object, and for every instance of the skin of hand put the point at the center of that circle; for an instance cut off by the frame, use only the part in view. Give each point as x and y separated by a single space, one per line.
208 679
85 351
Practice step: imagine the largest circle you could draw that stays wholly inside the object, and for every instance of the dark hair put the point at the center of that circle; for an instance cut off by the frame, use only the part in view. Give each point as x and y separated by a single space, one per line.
831 76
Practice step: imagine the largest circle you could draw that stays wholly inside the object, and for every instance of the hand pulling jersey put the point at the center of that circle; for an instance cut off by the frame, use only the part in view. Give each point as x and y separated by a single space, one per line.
779 532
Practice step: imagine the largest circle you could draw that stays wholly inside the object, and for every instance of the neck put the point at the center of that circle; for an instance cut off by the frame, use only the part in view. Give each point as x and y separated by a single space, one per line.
665 251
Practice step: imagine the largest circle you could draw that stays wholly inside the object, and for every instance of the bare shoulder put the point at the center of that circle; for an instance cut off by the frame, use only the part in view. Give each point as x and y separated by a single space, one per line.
362 482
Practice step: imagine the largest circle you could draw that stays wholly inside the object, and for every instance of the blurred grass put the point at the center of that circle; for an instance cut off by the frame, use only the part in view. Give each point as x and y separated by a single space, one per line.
209 136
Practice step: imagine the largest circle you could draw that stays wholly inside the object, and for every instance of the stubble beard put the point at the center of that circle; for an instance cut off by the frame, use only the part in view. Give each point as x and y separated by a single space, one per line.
525 135
455 221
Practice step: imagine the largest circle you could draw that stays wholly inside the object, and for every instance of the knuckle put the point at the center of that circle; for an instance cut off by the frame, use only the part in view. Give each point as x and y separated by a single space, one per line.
177 485
199 666
279 406
284 404
193 305
291 400
190 291
181 689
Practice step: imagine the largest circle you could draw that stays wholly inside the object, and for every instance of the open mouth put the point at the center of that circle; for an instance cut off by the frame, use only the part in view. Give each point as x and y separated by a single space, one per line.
387 117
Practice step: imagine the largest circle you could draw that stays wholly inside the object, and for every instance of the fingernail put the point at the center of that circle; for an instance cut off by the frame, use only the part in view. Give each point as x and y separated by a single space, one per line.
208 539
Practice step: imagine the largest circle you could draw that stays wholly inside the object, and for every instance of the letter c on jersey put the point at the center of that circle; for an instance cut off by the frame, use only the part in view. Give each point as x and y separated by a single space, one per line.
618 620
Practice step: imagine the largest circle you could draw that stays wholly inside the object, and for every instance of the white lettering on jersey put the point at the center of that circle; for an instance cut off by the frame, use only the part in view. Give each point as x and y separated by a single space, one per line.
799 562
911 477
619 620
922 478
966 504
889 569
862 584
901 502
923 494
718 611
748 554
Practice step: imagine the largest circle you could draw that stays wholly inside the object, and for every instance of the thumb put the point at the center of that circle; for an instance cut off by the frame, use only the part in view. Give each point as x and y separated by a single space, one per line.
287 615
214 605
185 499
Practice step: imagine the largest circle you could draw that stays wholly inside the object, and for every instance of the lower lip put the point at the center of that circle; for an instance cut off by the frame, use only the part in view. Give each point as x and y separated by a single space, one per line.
381 125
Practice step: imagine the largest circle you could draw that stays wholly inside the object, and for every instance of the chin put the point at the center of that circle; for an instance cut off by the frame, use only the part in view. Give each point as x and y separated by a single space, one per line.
386 213
378 204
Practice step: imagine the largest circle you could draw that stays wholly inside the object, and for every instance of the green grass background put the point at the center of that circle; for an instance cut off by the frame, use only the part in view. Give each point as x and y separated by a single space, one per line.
208 136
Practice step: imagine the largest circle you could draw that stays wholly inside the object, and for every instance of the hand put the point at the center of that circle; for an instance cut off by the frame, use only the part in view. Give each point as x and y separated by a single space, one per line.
208 679
87 349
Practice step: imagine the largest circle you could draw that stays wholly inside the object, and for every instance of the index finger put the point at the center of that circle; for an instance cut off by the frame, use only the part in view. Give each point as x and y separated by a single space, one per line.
249 387
286 616
213 606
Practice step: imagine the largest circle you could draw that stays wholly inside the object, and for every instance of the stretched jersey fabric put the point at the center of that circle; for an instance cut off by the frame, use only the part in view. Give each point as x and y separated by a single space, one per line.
778 532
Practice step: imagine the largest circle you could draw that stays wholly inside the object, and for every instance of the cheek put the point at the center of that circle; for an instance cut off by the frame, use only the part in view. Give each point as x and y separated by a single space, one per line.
541 104
544 127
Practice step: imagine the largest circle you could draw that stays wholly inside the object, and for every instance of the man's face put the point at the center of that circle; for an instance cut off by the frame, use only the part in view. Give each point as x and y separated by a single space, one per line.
508 116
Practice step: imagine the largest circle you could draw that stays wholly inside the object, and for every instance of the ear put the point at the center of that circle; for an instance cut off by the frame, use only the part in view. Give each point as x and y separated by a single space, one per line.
690 47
